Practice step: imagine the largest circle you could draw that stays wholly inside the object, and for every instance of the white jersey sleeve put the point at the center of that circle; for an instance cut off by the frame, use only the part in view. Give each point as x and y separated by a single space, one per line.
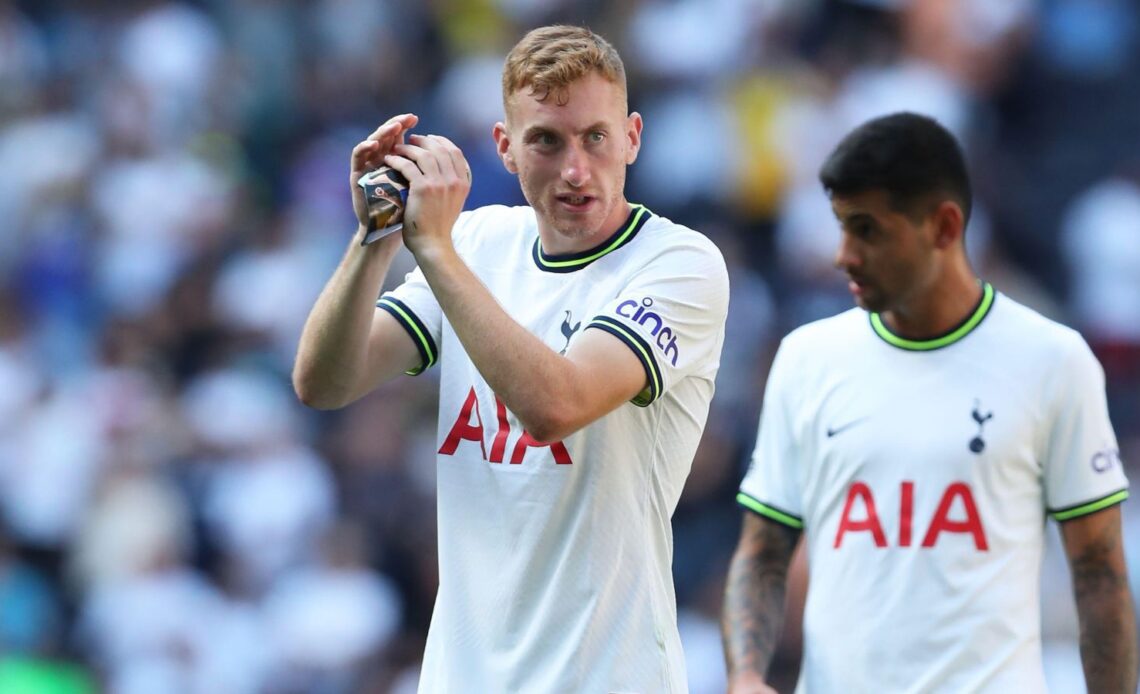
671 314
772 485
415 308
1081 462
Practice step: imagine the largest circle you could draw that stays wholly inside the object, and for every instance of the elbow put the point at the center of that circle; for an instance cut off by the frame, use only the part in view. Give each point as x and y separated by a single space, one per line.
550 424
312 394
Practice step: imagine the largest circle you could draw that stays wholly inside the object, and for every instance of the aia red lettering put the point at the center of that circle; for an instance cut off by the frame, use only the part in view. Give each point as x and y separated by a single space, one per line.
464 430
870 522
866 518
942 523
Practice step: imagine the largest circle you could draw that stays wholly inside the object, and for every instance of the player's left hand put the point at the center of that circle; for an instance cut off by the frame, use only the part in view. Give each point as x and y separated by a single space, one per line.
438 182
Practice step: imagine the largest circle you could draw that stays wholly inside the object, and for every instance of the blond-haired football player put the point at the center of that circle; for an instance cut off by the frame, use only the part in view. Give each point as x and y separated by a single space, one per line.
578 339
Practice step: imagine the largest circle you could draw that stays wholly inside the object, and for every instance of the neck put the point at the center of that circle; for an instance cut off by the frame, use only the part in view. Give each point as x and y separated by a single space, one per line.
939 308
557 243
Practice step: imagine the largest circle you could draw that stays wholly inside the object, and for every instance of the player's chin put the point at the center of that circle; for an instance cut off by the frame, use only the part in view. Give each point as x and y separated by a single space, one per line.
869 300
573 231
576 226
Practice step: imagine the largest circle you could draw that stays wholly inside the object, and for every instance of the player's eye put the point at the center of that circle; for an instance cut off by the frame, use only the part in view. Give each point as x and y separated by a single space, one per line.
596 137
861 229
544 139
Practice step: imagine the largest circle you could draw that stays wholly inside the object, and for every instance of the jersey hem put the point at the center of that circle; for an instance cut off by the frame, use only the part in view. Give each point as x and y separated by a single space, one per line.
571 262
1089 507
415 328
770 512
954 335
644 353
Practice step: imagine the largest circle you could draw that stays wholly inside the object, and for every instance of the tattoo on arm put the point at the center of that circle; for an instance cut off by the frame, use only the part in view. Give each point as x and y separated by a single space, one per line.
754 595
1104 603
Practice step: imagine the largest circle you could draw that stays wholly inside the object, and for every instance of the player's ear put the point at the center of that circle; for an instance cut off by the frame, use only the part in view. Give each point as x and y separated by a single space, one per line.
949 224
633 126
503 147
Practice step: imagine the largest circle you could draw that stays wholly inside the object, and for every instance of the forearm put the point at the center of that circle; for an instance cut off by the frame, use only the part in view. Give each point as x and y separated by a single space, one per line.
332 357
753 613
1095 547
527 375
754 599
1108 630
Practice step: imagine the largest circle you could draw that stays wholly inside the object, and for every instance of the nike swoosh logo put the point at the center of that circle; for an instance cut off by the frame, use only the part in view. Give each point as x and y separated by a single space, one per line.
840 429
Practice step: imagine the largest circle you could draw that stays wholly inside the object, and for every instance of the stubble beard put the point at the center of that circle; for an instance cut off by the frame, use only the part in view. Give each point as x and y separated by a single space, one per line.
582 228
574 230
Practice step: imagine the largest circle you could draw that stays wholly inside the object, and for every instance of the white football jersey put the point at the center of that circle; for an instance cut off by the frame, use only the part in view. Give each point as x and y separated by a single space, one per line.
555 561
922 473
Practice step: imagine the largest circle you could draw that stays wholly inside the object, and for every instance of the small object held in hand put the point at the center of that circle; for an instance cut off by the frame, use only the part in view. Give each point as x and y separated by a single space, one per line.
386 191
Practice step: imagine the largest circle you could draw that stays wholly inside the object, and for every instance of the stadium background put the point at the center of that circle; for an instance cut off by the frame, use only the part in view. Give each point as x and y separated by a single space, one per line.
173 195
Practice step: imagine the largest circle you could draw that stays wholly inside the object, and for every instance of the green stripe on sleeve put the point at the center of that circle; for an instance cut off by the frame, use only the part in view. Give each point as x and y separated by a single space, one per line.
769 512
415 329
643 352
1090 507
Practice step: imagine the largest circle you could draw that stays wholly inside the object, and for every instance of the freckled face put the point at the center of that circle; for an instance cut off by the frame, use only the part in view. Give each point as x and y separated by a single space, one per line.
571 156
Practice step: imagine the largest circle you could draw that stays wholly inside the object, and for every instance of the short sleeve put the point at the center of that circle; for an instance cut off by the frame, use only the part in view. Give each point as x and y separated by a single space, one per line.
771 487
1082 466
671 314
415 308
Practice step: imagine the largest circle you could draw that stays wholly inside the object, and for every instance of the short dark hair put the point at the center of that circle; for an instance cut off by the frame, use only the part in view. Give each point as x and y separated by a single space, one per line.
909 156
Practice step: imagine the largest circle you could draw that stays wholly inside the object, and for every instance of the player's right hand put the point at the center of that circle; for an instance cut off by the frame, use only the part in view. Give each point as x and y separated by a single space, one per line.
369 155
749 683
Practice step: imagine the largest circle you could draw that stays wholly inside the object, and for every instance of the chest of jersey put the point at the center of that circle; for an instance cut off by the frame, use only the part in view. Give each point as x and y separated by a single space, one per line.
553 307
475 425
944 450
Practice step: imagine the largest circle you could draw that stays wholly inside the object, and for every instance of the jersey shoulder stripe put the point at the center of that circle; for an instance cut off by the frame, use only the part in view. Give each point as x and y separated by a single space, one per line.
421 336
768 511
1084 509
641 349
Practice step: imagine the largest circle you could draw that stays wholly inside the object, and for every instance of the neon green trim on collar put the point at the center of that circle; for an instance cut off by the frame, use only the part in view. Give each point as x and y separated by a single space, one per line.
616 241
938 342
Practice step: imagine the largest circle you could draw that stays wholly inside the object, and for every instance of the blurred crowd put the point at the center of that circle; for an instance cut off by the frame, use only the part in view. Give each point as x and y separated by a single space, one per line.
174 193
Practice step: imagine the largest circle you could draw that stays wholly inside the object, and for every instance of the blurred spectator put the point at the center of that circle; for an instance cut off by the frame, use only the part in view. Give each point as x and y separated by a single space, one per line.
329 619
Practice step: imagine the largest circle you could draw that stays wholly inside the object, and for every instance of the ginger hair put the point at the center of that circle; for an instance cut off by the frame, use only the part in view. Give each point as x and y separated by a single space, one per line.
548 59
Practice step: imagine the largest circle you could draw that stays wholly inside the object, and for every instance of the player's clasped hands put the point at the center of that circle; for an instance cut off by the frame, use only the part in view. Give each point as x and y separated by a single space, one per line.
439 180
369 155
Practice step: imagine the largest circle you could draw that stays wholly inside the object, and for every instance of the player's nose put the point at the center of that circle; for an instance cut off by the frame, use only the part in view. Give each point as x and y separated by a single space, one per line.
576 167
847 253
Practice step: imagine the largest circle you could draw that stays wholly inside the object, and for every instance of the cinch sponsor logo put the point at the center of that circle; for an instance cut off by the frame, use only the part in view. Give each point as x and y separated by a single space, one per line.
1105 460
639 313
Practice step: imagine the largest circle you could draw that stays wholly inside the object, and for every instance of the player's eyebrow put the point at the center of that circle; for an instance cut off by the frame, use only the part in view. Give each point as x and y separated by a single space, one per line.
853 217
535 130
542 129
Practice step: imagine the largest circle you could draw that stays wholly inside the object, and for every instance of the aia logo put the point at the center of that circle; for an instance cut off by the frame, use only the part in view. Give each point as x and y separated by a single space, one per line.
568 331
966 519
640 314
468 426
